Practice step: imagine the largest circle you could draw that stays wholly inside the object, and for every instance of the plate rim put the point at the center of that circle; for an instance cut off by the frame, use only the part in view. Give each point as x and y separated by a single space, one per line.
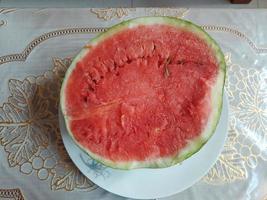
225 108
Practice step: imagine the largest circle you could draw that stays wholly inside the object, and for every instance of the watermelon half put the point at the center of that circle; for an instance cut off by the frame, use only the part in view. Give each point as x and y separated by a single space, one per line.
147 93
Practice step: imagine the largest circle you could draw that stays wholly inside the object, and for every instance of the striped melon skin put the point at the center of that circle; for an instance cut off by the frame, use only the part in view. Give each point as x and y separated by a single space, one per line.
216 96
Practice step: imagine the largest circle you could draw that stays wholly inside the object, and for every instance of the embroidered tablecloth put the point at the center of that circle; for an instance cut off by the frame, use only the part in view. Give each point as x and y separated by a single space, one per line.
36 48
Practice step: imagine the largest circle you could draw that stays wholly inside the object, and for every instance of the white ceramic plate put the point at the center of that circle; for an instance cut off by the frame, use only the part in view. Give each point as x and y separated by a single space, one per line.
150 183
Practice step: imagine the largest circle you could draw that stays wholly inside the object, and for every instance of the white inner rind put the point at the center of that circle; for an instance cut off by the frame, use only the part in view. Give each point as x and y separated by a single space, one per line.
216 94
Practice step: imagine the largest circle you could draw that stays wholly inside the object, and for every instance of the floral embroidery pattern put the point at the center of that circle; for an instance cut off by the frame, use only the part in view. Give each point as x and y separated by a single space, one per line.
30 134
110 13
247 139
174 12
29 129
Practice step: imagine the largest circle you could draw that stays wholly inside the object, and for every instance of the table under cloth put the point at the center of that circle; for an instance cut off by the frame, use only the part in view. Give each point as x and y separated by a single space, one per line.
36 48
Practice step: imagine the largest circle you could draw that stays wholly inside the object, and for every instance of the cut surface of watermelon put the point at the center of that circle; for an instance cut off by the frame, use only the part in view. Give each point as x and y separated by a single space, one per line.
146 93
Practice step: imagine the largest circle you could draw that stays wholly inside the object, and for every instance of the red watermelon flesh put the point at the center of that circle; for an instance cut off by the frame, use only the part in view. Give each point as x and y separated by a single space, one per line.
141 94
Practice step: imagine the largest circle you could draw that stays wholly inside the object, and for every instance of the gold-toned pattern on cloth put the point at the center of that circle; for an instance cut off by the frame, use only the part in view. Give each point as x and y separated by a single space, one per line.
230 165
15 194
2 23
174 12
4 11
248 101
29 125
110 13
30 134
236 33
26 52
7 10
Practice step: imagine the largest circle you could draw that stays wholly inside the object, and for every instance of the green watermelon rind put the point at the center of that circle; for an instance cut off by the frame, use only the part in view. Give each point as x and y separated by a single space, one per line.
194 145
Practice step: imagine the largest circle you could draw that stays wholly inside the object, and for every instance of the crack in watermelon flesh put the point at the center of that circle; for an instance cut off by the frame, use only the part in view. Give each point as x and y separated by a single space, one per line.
142 93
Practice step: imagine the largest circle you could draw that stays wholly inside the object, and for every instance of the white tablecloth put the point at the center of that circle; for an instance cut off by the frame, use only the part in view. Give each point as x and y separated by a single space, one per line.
35 49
